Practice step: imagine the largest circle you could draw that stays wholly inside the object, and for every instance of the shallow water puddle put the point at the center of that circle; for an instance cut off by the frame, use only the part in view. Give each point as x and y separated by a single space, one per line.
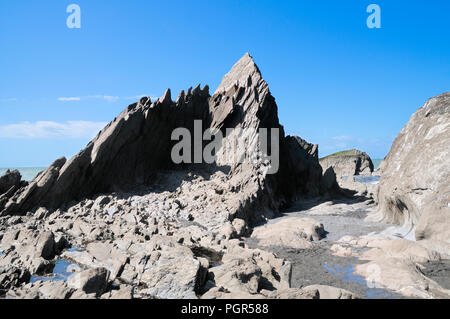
367 179
346 274
62 270
364 179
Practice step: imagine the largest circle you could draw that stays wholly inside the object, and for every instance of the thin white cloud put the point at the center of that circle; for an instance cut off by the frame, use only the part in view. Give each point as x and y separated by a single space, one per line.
11 99
48 129
108 98
69 99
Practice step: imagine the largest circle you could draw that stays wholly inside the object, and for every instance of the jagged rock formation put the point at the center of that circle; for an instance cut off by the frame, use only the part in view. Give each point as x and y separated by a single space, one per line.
415 185
137 144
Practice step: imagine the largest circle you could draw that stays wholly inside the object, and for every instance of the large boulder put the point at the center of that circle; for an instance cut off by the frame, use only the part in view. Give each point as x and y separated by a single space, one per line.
137 144
293 232
170 271
414 189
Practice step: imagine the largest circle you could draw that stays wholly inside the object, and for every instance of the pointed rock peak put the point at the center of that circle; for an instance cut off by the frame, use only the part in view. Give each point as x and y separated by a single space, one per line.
196 90
180 97
167 97
240 73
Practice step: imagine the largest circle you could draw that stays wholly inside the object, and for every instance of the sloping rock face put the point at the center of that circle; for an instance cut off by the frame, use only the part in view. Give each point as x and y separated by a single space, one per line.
137 144
305 160
415 185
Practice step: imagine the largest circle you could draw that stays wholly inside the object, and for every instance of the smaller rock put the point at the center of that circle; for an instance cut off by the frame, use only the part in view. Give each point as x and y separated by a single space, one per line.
328 292
13 277
90 281
41 213
100 202
45 245
291 232
240 226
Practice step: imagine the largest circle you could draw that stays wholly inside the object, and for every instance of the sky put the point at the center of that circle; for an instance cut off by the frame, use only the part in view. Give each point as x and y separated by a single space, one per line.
337 83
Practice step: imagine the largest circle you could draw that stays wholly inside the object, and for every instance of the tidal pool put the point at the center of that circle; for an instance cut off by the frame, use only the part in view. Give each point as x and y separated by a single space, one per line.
347 274
366 179
62 270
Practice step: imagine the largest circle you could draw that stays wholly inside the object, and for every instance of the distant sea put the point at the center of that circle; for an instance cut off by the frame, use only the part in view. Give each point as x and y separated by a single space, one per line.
376 162
28 173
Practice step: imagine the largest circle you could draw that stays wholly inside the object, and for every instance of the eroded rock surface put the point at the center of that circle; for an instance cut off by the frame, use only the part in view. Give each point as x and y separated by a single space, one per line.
414 190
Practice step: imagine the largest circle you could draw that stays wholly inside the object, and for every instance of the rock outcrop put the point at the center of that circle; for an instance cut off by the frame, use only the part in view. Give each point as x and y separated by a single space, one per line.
136 145
348 163
10 182
345 167
414 189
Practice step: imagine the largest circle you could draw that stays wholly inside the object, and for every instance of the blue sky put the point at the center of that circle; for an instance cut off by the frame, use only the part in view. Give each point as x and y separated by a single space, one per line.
336 82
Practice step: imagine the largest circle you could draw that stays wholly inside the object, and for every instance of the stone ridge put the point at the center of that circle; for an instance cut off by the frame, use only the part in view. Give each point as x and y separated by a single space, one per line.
352 152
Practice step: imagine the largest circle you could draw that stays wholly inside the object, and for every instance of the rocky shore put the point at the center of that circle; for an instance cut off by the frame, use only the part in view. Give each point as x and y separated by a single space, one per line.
120 220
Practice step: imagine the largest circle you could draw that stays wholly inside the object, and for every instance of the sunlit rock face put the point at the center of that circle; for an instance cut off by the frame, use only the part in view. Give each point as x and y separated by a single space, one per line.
415 184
